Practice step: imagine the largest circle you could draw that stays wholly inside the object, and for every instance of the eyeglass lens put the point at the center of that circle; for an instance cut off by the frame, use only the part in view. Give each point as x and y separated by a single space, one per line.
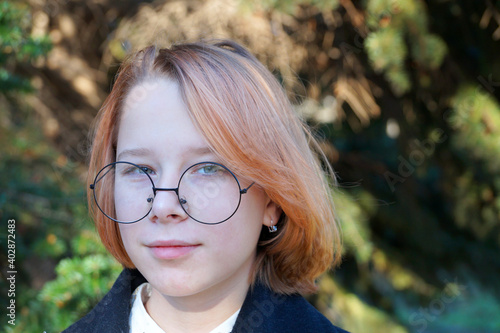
208 192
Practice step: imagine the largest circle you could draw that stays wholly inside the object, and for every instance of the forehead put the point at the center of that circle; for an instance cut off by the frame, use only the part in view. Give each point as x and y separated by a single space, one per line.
155 118
150 90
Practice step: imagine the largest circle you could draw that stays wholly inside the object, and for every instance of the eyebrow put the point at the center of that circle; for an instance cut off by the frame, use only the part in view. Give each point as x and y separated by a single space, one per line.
204 150
141 152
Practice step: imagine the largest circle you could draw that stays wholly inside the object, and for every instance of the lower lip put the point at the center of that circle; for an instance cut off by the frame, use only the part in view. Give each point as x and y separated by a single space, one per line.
172 252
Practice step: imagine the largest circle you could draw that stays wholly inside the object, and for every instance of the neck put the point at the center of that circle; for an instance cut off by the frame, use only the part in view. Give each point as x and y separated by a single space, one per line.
201 312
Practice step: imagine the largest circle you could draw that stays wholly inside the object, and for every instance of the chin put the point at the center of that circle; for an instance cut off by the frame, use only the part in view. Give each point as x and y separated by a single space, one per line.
173 284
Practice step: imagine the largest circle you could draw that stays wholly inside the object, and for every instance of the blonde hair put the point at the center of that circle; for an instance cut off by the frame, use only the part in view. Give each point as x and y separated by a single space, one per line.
245 115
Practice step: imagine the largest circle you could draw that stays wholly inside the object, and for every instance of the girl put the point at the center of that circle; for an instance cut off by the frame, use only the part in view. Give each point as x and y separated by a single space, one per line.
205 188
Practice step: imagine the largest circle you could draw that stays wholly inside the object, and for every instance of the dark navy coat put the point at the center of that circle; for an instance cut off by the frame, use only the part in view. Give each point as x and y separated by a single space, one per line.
263 311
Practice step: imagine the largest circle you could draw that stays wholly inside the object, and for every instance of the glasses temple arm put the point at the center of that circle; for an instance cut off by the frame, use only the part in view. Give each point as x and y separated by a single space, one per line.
98 180
245 190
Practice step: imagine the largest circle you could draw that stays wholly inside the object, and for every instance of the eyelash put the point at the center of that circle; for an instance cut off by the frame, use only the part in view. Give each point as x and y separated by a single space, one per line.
146 169
152 172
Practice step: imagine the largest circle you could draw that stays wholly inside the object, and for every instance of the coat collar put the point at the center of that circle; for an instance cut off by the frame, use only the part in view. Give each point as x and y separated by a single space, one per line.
262 311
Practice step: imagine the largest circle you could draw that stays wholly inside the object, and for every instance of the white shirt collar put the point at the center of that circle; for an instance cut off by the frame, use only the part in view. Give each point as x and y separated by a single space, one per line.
141 321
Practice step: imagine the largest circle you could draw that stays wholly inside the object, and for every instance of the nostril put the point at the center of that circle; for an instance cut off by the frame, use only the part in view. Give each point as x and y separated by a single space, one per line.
166 207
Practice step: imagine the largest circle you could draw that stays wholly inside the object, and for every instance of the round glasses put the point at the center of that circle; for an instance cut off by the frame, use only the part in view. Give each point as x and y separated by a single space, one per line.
208 192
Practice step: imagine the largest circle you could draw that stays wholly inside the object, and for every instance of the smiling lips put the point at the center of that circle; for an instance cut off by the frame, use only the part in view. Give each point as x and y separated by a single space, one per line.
171 249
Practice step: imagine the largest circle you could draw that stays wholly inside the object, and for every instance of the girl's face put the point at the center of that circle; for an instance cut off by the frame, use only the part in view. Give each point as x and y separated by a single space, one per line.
177 255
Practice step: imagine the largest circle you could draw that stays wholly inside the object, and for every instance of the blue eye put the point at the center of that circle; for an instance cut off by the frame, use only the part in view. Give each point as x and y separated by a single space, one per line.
134 171
146 170
209 169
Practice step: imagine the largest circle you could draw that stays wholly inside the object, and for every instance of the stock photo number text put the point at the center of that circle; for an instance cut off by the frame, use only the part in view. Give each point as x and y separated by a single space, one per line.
11 272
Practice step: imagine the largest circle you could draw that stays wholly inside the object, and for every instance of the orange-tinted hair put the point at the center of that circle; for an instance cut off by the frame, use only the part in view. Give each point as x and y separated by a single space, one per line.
246 117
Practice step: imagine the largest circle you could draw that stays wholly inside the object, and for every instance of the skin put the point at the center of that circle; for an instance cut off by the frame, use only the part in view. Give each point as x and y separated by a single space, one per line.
198 290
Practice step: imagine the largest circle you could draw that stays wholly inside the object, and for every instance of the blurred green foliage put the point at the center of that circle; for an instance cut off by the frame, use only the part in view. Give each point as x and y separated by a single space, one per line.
419 252
287 6
476 121
17 45
43 191
397 29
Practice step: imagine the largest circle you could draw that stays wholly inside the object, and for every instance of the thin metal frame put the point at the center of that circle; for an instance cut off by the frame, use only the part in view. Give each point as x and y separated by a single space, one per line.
155 189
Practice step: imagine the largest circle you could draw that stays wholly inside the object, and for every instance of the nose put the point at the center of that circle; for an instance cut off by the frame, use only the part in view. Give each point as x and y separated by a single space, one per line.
166 206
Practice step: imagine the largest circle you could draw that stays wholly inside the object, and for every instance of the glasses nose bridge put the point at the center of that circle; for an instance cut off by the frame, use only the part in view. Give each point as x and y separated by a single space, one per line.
165 189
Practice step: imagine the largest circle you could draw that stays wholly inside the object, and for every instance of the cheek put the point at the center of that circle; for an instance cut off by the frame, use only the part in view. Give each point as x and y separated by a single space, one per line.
132 205
128 233
243 229
253 207
233 244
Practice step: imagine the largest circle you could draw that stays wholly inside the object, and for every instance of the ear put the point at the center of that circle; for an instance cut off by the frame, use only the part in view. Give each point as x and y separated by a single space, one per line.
272 213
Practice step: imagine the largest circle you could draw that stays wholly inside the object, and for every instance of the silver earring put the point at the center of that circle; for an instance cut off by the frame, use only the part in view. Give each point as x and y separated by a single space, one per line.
272 227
